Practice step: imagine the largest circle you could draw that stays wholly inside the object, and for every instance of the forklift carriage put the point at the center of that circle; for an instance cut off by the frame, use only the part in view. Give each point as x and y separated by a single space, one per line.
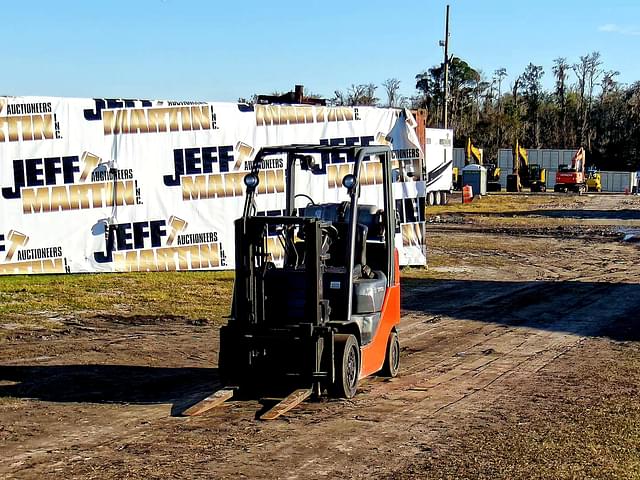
321 311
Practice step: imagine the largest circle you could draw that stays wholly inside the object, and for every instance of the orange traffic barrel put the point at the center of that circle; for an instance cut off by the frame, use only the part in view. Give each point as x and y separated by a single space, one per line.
467 194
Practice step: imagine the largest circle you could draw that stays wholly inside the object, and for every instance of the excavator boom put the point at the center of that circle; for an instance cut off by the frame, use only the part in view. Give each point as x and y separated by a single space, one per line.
525 174
572 178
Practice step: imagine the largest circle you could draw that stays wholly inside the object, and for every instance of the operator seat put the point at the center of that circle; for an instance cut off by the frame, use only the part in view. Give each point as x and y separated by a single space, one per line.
369 284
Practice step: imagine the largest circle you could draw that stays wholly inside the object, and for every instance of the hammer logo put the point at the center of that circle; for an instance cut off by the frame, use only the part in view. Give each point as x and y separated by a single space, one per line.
90 162
383 139
177 225
245 152
15 239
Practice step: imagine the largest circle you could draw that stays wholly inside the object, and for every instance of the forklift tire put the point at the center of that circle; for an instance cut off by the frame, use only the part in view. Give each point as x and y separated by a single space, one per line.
347 365
392 358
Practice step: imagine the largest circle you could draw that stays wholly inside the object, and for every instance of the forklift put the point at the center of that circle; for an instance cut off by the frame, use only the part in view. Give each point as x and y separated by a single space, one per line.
318 309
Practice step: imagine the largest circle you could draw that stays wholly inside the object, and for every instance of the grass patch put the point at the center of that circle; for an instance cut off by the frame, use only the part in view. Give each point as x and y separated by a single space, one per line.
497 203
35 301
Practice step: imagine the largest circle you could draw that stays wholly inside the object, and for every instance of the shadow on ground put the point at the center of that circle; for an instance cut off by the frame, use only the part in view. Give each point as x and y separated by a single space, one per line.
123 384
602 309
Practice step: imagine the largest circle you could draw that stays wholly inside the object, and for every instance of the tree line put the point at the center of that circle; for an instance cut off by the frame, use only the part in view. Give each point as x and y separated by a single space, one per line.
587 107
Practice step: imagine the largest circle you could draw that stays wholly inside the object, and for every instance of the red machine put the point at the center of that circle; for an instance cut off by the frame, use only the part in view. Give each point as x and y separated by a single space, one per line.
572 178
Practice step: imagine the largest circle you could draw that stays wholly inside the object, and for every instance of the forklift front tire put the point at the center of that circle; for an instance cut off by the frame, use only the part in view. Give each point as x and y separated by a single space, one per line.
347 365
392 359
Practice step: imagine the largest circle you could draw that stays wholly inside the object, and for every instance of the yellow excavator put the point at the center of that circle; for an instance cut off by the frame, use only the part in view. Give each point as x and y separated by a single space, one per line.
475 155
526 175
473 152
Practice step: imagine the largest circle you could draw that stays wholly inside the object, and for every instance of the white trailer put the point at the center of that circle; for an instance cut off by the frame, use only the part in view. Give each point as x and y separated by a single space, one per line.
438 165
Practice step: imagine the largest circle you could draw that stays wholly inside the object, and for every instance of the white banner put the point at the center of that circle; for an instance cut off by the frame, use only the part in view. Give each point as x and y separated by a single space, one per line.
103 185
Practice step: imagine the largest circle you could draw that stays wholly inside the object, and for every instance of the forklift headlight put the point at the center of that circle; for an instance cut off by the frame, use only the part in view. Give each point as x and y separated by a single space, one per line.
307 162
251 180
349 181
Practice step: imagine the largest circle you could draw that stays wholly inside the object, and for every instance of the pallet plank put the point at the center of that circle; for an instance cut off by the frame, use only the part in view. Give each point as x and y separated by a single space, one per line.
293 399
212 401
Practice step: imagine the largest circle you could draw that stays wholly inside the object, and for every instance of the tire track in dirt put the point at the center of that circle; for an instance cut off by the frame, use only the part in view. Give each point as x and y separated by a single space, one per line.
427 394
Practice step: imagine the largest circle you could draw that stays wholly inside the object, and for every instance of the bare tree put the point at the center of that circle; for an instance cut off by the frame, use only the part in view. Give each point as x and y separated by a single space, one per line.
339 98
391 87
516 108
499 76
560 68
608 83
362 94
588 71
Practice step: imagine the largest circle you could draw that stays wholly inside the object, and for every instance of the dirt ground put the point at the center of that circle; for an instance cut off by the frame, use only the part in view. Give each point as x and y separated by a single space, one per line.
520 359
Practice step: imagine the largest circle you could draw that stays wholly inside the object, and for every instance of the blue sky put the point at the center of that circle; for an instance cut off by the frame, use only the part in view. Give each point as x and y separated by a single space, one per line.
219 51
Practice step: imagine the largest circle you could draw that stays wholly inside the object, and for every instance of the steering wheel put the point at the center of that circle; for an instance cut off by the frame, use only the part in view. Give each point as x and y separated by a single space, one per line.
329 236
311 202
330 231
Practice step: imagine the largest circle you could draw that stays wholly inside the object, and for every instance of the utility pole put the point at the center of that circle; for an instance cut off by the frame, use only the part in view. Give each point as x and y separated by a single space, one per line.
445 110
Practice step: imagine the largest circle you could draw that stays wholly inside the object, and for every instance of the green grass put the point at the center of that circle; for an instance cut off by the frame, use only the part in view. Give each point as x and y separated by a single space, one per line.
496 203
37 301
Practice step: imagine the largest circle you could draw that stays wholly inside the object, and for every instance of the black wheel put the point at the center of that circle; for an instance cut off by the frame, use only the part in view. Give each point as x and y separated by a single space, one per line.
392 359
431 199
347 364
445 198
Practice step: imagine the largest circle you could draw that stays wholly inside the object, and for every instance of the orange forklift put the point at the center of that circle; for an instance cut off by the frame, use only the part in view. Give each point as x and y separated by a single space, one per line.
318 309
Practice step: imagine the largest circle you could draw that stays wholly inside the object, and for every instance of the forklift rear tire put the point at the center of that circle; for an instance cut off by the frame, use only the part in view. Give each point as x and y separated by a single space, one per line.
392 359
347 364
